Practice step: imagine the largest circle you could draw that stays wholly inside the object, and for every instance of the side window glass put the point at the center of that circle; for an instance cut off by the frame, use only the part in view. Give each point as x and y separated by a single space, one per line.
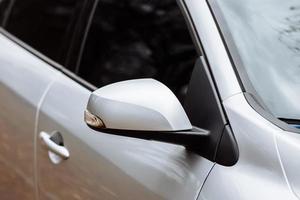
4 4
46 25
138 39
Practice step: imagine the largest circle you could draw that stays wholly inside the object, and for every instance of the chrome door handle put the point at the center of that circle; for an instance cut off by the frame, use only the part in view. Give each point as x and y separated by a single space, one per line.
52 146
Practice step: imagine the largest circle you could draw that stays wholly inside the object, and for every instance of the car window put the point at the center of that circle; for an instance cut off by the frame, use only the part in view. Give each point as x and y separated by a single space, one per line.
266 41
46 25
131 39
4 4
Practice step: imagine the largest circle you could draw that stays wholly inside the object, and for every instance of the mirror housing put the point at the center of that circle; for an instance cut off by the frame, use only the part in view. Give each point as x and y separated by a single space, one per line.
134 109
144 109
136 105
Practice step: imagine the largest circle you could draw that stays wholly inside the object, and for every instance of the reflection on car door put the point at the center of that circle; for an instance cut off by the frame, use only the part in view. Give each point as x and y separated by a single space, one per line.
104 166
23 81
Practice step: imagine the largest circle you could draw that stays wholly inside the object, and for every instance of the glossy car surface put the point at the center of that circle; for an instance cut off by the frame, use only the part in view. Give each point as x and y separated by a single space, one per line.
237 149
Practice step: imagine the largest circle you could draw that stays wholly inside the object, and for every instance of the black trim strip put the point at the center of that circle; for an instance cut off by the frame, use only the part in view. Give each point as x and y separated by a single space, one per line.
291 121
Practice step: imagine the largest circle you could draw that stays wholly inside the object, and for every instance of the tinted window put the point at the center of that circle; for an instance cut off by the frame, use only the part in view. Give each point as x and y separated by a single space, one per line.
3 9
46 25
131 39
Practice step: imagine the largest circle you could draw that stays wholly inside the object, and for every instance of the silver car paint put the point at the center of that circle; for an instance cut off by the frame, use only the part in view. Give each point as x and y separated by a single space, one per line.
134 169
23 81
140 104
116 167
213 46
103 166
267 168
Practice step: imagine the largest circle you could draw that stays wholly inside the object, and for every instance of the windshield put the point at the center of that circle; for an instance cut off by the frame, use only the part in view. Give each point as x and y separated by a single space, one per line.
266 37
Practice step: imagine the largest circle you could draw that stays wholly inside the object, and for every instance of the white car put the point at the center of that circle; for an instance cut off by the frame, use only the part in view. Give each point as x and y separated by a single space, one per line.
153 100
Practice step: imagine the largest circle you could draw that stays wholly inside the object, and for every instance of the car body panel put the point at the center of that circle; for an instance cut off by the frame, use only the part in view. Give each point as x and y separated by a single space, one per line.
36 97
258 174
107 166
23 81
288 145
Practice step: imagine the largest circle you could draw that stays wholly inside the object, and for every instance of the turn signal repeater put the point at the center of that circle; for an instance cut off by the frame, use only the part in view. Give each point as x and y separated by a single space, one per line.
92 120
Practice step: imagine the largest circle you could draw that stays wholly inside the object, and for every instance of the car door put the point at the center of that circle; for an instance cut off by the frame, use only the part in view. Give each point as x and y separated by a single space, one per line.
102 166
25 76
24 79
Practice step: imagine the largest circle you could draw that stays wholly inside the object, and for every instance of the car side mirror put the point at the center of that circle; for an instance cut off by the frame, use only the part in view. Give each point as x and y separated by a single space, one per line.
141 108
137 105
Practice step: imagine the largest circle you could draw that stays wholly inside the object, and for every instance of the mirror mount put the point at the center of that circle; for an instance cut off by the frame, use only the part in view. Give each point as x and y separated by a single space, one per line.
189 138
